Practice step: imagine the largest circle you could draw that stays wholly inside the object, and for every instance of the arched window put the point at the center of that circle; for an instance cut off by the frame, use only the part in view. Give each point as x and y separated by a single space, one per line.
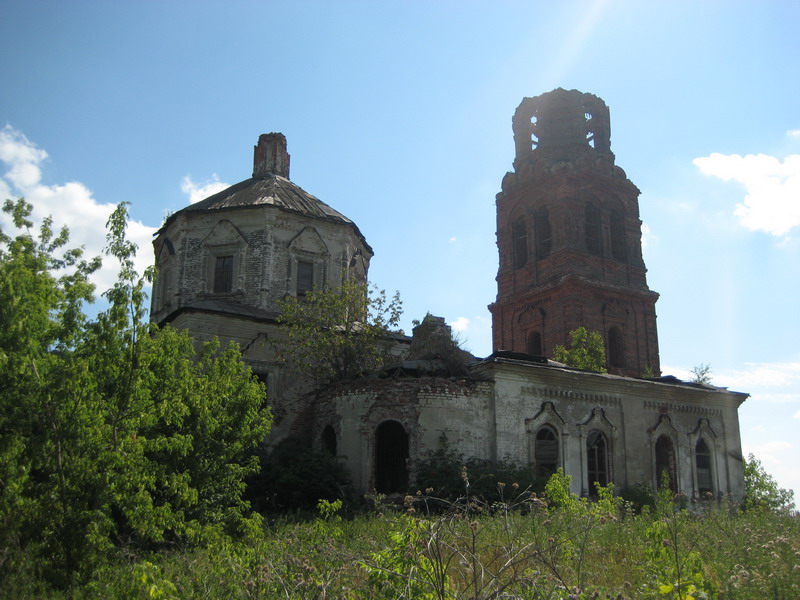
535 344
617 235
519 236
616 349
544 236
596 460
592 229
329 440
702 458
665 462
545 451
391 456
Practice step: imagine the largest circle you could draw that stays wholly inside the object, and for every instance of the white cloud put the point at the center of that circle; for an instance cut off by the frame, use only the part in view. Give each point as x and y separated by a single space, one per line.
452 239
796 415
793 133
69 204
460 324
763 375
647 236
772 200
201 191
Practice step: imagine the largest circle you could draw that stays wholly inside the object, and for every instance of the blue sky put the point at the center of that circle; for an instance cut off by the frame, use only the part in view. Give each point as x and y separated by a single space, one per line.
398 114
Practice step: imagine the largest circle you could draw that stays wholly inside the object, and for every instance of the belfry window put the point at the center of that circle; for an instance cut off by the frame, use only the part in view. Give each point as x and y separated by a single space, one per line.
519 236
617 235
535 343
305 277
616 349
597 460
223 274
592 229
546 451
544 235
702 458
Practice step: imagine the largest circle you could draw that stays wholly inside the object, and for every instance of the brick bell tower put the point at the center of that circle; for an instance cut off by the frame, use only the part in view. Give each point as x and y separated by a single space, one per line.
570 240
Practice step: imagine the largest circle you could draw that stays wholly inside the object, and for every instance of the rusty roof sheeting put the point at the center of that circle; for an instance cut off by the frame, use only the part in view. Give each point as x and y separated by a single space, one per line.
273 190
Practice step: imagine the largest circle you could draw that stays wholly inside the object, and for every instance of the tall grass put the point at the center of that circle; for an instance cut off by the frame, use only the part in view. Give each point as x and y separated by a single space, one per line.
523 546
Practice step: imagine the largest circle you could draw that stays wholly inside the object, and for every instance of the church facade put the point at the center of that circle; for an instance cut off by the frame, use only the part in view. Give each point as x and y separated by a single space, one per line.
569 241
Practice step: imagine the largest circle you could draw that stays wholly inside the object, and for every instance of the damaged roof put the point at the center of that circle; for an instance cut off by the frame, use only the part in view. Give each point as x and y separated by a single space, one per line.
272 190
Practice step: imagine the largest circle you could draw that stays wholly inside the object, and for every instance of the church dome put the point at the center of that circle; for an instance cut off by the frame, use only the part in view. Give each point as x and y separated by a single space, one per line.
269 186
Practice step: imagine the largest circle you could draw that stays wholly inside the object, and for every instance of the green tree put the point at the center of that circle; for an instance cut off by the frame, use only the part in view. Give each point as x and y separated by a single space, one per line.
701 373
762 491
111 430
586 351
338 333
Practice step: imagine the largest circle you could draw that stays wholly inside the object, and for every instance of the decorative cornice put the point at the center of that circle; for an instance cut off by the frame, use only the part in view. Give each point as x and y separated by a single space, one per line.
684 408
606 399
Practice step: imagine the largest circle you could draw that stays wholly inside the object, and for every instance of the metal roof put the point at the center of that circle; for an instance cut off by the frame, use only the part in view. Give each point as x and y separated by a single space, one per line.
272 190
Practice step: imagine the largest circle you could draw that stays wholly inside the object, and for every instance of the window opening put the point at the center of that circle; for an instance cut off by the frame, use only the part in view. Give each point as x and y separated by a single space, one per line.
305 277
617 236
546 452
702 457
544 236
519 235
535 344
597 460
665 461
592 229
223 274
616 352
534 132
391 457
329 440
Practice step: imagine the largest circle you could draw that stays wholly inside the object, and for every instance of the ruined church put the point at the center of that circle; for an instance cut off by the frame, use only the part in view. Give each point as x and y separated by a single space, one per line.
570 255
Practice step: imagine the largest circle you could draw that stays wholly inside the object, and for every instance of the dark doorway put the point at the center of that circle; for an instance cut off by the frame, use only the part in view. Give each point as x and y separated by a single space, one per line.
329 440
391 456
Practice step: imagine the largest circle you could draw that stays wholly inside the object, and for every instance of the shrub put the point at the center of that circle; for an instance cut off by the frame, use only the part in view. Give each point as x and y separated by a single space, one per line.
295 476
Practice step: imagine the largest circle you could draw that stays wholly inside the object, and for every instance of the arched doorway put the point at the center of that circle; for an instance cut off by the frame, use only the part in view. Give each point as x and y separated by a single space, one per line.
391 456
665 461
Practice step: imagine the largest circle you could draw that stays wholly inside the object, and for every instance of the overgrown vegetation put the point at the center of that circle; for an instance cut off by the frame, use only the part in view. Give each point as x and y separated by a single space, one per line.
522 545
339 333
586 351
113 434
